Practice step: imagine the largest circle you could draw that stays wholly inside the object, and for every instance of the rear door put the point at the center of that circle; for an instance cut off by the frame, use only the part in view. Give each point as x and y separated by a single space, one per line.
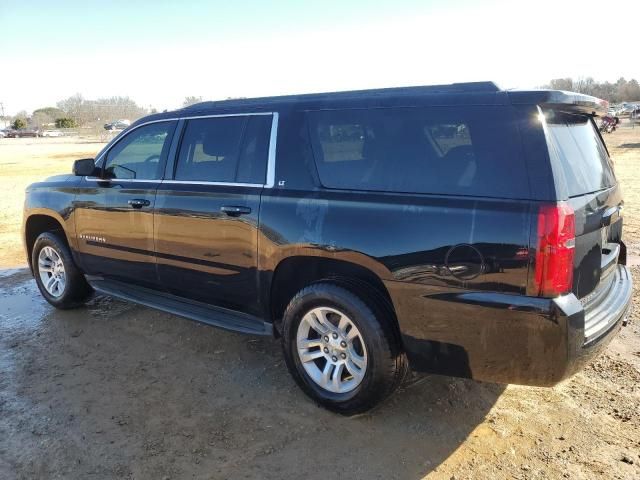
586 179
206 222
114 213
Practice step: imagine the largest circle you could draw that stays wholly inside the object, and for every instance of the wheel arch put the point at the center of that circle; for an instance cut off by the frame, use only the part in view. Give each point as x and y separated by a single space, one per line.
40 222
294 273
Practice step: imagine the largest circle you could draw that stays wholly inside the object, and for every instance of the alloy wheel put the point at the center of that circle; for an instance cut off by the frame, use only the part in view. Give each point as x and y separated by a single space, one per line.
51 271
331 349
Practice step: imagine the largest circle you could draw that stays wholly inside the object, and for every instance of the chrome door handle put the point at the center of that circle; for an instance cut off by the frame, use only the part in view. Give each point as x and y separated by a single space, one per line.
235 211
139 202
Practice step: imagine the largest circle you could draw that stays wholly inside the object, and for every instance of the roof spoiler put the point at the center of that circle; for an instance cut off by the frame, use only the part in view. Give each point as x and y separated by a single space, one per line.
569 102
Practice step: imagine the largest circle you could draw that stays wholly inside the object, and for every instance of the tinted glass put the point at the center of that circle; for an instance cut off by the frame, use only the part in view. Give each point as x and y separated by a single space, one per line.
440 150
252 167
209 150
140 154
583 159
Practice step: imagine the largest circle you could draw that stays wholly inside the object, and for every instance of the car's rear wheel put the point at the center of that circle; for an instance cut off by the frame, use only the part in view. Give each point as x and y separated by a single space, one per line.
58 279
330 336
341 348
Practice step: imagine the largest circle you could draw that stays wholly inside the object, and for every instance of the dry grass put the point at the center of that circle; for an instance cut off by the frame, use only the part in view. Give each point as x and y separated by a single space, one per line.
22 162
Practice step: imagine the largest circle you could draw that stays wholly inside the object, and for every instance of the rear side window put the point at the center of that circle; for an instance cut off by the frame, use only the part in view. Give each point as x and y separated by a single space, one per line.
252 167
583 159
225 149
440 150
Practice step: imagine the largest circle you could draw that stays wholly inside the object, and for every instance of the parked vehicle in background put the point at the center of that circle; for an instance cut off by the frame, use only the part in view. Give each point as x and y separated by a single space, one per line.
2 134
27 133
455 229
52 133
22 133
616 110
634 117
626 109
117 125
608 124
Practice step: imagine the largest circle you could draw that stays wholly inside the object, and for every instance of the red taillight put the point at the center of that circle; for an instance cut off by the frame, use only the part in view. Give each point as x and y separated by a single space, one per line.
556 245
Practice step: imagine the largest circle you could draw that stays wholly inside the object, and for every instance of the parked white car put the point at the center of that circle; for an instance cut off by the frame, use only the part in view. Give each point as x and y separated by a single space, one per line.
52 133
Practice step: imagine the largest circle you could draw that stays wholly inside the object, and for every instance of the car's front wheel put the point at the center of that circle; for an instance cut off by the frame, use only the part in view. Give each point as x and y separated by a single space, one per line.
341 348
59 280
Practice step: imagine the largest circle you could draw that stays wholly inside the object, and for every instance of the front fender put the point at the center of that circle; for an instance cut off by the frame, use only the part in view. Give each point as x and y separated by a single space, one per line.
54 202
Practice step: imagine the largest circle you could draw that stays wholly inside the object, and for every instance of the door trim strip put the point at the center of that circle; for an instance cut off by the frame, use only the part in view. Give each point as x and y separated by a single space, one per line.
165 256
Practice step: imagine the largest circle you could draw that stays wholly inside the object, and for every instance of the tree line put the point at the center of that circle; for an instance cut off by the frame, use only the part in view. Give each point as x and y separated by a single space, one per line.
78 111
621 91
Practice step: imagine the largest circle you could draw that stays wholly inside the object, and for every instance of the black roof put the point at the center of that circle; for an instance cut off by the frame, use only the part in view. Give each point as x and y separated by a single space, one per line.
473 93
471 87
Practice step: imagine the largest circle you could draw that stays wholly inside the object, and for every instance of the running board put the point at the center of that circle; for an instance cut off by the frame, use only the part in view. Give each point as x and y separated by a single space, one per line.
191 309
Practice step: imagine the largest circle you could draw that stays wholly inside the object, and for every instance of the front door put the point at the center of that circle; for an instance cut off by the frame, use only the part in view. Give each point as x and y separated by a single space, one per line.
207 210
114 212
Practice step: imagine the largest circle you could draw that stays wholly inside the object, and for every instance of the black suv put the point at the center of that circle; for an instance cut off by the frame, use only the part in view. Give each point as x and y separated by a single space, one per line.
454 229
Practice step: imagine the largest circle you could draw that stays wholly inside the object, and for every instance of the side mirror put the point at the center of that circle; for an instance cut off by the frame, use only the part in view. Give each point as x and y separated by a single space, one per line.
85 168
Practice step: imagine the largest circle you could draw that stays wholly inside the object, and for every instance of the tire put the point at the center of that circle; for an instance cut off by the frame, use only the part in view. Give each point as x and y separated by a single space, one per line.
51 257
349 389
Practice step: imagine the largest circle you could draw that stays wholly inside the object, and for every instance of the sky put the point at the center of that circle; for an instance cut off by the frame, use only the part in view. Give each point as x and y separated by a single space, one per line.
159 52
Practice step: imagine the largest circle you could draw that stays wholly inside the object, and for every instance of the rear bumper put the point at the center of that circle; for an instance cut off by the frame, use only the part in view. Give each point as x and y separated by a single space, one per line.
600 320
608 304
507 338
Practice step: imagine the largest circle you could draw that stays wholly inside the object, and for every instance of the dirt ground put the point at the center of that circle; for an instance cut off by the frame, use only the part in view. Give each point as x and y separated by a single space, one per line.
116 390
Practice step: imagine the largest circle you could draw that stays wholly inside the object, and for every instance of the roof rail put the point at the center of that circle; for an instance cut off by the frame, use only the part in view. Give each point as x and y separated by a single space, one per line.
470 87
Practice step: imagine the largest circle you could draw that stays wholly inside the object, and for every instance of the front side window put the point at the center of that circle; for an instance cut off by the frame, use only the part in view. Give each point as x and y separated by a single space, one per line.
140 154
225 149
440 150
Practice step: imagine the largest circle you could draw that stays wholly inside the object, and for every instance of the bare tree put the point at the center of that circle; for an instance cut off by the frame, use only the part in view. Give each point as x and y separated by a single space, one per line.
620 91
115 108
93 112
630 91
191 101
561 84
585 85
72 106
40 119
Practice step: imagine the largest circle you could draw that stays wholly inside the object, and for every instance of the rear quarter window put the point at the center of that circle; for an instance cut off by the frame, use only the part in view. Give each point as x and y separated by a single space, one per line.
438 150
584 164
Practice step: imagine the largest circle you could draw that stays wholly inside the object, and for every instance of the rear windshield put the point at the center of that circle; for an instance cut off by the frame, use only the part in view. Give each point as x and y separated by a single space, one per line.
583 159
467 150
